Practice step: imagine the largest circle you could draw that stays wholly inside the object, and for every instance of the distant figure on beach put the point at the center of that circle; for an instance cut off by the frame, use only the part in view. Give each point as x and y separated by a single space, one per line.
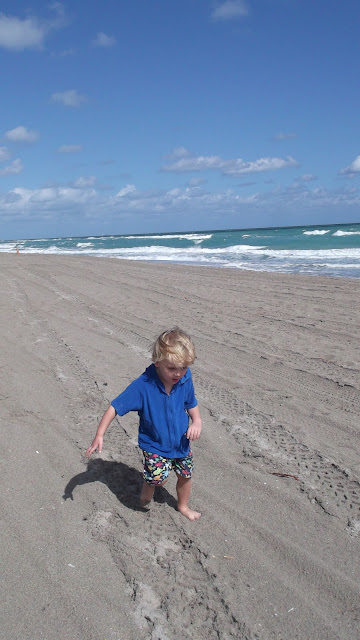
164 398
17 251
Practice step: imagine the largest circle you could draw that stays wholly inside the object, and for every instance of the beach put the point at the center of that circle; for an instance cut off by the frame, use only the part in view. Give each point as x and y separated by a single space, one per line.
275 554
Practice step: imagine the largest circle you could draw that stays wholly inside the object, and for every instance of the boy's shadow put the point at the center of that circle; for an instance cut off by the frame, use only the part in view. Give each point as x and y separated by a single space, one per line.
125 483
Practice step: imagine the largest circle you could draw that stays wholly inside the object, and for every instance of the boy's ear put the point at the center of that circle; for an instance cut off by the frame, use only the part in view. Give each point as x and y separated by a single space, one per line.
156 364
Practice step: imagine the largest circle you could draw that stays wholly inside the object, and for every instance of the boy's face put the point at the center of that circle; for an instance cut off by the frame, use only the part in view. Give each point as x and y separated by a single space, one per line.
169 373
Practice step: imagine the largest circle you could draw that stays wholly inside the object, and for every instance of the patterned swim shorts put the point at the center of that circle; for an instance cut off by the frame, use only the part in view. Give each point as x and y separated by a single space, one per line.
157 468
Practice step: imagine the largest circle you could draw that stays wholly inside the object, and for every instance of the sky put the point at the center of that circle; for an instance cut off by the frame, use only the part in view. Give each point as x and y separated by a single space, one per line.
133 116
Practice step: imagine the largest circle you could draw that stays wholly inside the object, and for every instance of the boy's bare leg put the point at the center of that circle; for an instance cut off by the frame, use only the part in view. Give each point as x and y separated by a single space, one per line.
183 488
146 494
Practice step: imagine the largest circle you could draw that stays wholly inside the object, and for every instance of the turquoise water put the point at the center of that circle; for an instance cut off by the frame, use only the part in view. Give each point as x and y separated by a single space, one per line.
322 249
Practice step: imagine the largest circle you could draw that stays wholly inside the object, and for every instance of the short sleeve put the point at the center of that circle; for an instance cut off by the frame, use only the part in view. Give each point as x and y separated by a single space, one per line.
190 399
128 400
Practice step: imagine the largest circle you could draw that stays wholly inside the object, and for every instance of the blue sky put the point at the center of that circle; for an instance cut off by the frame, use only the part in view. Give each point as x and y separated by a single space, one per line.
158 115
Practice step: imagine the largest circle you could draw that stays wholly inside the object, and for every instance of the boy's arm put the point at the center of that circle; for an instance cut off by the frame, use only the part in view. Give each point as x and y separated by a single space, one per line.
194 430
107 418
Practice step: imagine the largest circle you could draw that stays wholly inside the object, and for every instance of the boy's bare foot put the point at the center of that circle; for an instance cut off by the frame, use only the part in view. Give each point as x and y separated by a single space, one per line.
189 513
146 494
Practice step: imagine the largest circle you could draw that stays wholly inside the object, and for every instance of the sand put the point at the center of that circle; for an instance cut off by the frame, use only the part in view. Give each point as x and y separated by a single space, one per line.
277 379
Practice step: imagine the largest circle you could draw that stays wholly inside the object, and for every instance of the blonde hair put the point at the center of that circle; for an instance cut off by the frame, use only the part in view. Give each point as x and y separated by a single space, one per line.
174 345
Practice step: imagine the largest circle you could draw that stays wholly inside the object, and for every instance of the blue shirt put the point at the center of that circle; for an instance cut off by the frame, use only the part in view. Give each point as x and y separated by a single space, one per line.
163 417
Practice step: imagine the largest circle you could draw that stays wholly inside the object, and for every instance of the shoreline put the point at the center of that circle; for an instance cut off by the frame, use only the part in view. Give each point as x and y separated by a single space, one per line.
277 473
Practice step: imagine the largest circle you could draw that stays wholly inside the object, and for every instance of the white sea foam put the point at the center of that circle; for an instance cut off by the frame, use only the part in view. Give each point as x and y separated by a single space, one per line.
195 253
311 255
316 232
9 246
84 244
346 233
100 237
348 265
46 239
195 237
45 250
158 252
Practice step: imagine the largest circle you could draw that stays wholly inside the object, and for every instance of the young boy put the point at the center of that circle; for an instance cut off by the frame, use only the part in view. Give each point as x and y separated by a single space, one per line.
164 398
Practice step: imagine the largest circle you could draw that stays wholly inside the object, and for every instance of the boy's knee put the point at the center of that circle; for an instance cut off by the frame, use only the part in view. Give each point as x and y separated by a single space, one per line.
183 479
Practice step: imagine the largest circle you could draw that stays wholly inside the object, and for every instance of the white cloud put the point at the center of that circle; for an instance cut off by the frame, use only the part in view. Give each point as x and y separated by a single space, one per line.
102 40
184 200
88 202
84 182
125 191
22 134
70 148
12 169
71 98
10 198
183 160
308 177
18 34
230 9
196 182
240 167
85 202
4 154
352 169
309 199
285 136
51 198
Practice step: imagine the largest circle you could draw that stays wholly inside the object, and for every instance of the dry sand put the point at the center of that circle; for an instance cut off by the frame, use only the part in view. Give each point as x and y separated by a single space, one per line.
277 379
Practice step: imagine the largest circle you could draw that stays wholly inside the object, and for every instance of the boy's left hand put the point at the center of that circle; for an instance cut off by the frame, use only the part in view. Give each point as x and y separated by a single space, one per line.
193 432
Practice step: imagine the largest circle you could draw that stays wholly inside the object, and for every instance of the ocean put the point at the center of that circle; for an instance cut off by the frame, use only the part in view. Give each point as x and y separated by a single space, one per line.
327 250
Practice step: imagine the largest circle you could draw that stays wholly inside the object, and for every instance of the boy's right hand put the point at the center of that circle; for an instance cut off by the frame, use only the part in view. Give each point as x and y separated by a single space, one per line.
96 444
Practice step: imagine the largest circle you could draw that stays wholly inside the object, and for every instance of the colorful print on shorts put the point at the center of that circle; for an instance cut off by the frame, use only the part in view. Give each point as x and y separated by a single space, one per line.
157 468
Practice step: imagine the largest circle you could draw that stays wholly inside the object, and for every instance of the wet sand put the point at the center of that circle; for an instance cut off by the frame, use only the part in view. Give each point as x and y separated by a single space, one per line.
275 554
